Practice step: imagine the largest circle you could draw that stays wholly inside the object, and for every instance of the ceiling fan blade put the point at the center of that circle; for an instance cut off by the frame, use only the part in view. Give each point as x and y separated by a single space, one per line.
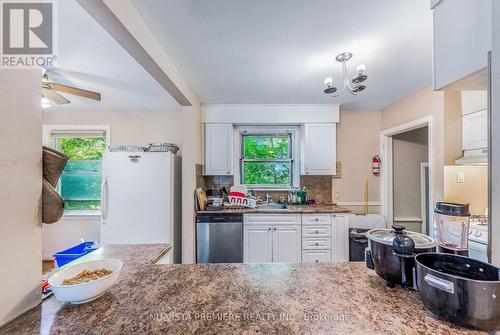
55 97
75 91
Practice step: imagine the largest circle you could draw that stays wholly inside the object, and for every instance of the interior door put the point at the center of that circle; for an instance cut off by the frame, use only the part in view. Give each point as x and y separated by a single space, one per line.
286 244
257 244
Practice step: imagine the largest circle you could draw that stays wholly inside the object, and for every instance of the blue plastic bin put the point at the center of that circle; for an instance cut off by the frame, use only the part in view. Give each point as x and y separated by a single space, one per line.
66 256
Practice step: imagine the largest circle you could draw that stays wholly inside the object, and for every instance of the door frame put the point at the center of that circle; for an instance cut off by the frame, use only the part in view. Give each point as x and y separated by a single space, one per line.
423 202
386 152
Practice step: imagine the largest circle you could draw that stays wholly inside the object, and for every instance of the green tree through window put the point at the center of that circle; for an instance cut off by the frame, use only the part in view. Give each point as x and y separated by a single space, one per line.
80 183
266 160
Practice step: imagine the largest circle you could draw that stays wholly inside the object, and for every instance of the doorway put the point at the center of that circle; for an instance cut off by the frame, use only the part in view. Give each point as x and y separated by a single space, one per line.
407 182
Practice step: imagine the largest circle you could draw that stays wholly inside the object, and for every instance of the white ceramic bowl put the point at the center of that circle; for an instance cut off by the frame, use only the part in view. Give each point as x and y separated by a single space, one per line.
84 292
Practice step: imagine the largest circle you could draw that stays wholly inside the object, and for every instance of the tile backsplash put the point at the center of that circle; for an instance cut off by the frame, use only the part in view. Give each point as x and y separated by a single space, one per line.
317 187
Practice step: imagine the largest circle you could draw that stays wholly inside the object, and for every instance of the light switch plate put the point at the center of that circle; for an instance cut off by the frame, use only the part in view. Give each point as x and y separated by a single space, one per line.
336 195
460 177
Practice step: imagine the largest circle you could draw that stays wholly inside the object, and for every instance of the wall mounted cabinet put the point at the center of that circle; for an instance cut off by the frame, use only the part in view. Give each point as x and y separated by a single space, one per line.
218 149
319 145
475 130
461 38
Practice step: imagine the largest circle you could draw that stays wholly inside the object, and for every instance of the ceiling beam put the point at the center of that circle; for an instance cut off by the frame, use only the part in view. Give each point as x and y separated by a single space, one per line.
108 20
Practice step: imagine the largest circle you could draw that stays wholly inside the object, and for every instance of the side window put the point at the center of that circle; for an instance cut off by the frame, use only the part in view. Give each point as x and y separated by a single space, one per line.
80 182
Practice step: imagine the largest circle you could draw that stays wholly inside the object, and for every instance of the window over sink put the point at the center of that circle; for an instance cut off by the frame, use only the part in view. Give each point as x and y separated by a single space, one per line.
267 159
80 181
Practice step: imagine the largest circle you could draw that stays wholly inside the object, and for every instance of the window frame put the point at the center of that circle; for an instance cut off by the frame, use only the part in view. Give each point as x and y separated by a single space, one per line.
291 131
47 129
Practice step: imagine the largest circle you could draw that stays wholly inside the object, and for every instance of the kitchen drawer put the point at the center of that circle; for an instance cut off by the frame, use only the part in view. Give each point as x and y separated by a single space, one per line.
288 219
316 256
317 231
316 243
316 219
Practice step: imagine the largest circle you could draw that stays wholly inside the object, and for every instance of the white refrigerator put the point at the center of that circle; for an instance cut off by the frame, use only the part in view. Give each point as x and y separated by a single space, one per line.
141 199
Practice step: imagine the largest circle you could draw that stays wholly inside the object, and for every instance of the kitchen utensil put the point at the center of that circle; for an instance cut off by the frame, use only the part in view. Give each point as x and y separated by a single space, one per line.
84 292
381 255
163 147
127 148
460 290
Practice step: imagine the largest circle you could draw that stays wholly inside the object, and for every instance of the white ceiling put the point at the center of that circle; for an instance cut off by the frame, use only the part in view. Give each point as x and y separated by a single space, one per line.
89 58
280 51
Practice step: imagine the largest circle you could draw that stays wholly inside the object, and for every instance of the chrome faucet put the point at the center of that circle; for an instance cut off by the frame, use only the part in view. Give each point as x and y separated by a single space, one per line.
269 198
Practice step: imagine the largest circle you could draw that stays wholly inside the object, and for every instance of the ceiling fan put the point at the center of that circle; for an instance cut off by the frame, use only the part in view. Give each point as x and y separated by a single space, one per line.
50 89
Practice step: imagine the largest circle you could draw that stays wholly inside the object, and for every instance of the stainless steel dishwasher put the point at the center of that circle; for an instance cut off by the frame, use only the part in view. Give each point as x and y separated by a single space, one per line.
219 238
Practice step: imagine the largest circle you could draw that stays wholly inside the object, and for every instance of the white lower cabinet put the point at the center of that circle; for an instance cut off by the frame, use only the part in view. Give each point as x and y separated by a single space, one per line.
258 244
316 256
340 237
308 238
271 238
286 244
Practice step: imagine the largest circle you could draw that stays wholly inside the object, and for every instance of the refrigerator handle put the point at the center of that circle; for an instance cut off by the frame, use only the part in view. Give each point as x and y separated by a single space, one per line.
104 198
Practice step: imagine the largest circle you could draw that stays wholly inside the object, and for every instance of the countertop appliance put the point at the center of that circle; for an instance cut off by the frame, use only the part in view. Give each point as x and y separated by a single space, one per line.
388 255
358 242
452 223
219 238
141 199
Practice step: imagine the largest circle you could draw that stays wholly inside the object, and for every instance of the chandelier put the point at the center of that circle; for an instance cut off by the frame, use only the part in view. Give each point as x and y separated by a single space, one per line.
352 85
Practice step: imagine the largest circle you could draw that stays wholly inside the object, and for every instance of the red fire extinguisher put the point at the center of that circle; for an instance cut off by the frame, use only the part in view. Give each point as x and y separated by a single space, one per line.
376 165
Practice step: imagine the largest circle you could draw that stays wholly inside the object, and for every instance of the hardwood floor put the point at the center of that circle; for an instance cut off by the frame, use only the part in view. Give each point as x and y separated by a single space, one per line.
47 266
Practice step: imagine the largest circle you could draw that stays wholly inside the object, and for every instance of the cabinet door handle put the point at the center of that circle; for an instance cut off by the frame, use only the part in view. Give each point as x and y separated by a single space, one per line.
274 228
317 261
269 229
316 219
316 243
317 231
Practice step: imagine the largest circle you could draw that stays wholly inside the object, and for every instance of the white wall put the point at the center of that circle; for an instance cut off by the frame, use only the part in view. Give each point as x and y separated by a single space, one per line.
127 127
21 189
355 153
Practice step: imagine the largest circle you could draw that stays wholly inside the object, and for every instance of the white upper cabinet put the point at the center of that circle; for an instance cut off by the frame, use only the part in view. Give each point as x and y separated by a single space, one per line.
462 38
474 120
475 130
218 149
319 143
474 101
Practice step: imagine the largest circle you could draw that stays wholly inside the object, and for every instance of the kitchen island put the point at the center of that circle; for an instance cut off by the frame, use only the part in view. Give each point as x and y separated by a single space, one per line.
271 298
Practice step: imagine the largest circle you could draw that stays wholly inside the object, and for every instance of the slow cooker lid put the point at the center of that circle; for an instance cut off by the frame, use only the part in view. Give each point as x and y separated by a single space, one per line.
386 236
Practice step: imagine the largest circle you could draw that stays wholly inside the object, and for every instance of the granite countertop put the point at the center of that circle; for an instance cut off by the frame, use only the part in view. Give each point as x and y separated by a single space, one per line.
292 209
271 298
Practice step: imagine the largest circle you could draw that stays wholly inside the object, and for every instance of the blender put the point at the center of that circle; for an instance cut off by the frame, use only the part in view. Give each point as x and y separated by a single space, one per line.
451 222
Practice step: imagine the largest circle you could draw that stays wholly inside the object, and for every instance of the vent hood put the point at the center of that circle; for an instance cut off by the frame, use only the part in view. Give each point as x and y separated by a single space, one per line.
474 157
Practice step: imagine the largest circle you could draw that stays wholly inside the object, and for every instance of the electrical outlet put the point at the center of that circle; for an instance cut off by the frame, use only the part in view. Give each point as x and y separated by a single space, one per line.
336 195
460 177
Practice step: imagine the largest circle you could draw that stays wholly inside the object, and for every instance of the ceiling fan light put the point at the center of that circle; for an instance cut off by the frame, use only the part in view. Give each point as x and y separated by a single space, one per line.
46 102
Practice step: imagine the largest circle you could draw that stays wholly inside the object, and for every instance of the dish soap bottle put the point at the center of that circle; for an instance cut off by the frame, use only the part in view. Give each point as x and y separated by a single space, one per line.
301 196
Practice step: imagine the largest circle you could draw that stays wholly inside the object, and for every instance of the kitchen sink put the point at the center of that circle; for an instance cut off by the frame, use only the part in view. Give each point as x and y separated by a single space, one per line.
272 207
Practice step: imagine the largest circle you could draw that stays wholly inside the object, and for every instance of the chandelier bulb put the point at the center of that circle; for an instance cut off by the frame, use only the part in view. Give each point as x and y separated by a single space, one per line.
361 69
